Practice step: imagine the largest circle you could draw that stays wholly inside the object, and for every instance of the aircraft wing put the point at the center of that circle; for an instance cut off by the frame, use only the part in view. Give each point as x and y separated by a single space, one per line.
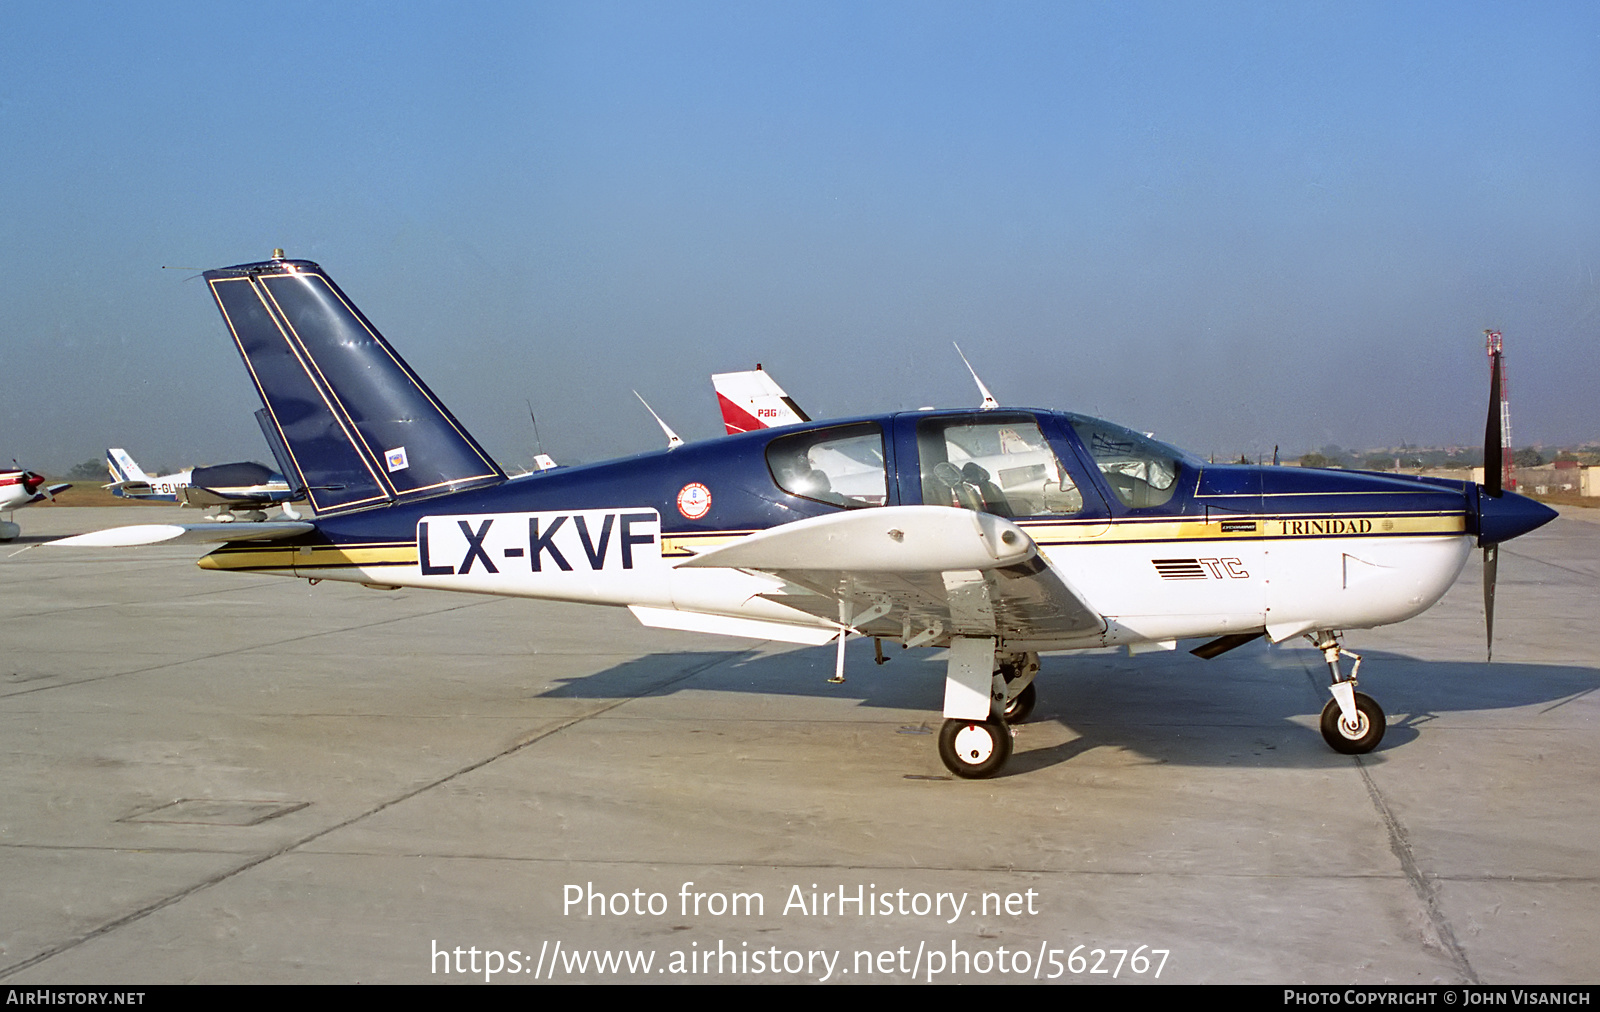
194 495
921 572
184 534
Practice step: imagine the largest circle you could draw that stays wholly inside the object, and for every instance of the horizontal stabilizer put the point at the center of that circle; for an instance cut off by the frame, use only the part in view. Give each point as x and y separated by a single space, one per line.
184 534
131 488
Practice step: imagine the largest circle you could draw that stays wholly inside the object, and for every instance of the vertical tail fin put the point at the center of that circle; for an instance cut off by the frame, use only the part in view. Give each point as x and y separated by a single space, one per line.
358 428
754 400
123 467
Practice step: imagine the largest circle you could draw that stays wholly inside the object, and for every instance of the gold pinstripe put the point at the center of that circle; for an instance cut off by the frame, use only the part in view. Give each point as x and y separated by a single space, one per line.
1265 527
247 557
678 546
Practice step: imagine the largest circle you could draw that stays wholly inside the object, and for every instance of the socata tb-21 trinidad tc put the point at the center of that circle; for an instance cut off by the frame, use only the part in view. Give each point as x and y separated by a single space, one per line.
995 533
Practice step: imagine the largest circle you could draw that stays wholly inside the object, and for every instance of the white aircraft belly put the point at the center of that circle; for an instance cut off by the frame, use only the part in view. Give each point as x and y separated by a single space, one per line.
1357 583
1212 588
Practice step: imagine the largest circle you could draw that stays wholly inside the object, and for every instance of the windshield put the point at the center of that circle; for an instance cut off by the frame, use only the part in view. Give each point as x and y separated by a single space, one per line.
1141 471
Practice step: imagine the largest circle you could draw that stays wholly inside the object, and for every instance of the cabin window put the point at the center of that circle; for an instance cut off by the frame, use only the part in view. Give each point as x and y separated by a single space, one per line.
1140 470
994 465
841 466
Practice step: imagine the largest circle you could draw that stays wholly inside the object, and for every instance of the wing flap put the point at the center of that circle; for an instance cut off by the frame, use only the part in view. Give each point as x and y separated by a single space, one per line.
1012 603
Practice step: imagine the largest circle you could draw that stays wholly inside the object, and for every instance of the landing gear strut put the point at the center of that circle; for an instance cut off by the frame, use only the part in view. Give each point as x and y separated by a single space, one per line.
1014 691
1352 722
984 693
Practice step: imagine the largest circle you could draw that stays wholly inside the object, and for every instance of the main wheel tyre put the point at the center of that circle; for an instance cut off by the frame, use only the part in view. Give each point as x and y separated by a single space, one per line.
1359 739
974 748
1021 705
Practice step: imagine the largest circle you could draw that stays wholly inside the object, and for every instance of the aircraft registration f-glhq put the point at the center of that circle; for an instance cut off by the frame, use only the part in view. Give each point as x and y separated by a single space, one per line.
995 533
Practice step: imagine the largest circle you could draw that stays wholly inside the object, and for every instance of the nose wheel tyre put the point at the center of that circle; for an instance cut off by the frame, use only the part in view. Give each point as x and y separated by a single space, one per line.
1361 737
974 749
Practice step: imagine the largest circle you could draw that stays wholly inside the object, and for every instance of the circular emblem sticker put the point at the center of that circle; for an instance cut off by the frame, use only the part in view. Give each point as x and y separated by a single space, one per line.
694 501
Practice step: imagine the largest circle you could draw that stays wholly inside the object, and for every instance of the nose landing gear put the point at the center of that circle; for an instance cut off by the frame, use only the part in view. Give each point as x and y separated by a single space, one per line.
1352 722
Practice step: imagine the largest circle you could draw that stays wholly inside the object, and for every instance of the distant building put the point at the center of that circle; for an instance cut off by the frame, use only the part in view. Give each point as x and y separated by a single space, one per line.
1562 476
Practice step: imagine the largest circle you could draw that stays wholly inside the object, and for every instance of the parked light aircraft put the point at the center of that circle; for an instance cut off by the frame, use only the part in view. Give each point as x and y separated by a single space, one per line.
20 488
243 485
996 533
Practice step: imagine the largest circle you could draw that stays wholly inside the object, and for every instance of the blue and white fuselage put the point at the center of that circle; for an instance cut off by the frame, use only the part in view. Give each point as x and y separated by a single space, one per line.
1234 549
996 533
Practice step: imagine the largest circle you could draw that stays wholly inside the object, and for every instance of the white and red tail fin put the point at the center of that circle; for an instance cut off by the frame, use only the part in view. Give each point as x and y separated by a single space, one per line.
753 400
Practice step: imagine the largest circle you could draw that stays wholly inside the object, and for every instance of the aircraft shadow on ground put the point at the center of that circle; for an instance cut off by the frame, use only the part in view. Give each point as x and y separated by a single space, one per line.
1257 706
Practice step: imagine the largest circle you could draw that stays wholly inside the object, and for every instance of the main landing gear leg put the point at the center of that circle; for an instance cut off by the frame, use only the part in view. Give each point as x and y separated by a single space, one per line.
1352 722
1014 692
975 741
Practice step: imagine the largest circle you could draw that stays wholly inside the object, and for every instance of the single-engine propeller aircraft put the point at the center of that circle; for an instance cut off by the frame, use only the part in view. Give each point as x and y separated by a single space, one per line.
996 533
243 485
19 488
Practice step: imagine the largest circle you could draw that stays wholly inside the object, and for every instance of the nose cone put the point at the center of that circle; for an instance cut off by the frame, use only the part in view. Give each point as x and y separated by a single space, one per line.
1509 516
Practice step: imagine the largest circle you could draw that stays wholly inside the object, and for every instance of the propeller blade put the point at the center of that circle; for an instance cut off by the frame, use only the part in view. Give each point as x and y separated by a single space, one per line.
1491 564
1493 460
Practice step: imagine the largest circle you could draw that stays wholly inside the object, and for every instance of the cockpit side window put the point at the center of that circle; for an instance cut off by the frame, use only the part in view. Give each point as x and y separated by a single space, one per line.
842 466
1141 471
1000 465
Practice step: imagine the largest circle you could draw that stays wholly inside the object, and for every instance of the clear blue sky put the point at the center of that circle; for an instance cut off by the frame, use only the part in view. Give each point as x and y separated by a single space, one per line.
1234 225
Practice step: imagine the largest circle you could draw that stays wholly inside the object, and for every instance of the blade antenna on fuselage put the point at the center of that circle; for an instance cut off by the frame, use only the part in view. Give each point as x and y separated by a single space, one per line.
673 439
989 403
538 444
